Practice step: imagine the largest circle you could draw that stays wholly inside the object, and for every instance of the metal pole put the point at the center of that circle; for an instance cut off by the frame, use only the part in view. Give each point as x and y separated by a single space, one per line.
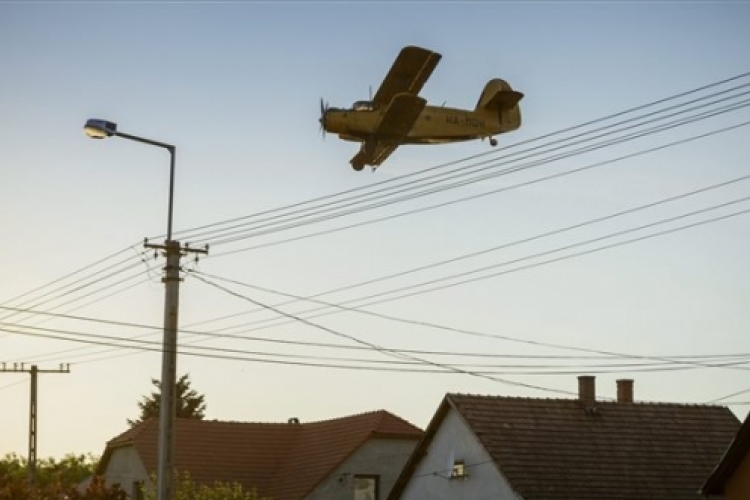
32 427
169 372
172 154
167 412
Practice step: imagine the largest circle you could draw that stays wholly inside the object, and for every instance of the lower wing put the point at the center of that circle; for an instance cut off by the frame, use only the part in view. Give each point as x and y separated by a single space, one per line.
396 123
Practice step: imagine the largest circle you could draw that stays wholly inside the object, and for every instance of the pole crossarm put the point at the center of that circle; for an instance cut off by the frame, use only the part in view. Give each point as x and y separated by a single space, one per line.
185 249
27 368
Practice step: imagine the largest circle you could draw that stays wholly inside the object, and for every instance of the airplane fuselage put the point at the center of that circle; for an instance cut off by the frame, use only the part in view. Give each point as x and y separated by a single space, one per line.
436 124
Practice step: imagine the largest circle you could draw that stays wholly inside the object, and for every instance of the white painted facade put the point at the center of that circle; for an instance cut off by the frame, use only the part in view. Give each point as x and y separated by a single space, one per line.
454 440
380 457
126 469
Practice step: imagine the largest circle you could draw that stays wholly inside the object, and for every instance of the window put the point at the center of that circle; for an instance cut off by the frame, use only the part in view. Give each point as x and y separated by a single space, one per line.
366 487
365 106
137 490
459 470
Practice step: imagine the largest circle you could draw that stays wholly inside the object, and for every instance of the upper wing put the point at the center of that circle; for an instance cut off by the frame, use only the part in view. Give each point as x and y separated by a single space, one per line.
399 117
409 72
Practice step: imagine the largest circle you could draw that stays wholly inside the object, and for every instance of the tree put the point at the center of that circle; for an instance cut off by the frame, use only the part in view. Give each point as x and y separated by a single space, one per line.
68 471
189 403
55 479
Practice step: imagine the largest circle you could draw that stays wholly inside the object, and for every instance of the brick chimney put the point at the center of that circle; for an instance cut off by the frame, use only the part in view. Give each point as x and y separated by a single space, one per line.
625 391
587 390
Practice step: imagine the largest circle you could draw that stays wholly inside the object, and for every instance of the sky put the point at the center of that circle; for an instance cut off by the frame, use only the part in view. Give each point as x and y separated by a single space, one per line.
581 244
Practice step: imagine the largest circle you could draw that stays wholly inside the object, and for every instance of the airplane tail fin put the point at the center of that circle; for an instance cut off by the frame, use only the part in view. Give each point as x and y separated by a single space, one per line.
499 97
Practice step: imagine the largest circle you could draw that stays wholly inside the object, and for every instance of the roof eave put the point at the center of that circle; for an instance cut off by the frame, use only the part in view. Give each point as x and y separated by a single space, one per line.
727 466
419 450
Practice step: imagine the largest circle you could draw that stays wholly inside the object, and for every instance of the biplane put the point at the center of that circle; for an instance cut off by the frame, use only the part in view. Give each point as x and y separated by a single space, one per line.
396 115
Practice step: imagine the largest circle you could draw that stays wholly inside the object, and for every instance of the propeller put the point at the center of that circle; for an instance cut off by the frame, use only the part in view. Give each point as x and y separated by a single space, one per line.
322 119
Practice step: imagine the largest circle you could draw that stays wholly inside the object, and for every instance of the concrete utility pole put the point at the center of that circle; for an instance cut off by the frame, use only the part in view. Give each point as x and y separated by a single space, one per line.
173 251
34 371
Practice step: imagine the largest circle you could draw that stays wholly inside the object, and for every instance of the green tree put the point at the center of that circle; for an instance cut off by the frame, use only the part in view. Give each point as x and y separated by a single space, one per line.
68 471
55 479
187 489
190 404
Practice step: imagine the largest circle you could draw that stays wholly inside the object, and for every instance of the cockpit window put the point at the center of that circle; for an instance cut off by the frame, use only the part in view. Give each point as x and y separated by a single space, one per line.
364 106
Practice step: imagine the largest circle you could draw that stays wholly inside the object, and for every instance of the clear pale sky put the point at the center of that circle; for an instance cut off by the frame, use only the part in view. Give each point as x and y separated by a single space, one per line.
236 87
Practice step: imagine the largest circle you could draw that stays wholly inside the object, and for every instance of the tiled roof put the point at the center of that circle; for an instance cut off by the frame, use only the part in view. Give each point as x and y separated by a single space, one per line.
283 461
733 456
556 449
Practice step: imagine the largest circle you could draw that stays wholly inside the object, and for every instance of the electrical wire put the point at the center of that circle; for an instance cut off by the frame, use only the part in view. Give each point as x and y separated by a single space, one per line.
487 193
191 232
736 360
360 205
659 222
727 359
377 347
460 276
728 396
521 241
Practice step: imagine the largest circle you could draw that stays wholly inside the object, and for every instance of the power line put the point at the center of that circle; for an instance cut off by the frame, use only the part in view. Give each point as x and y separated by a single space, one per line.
493 191
728 396
459 276
725 359
108 287
63 278
674 360
493 152
377 347
360 205
533 238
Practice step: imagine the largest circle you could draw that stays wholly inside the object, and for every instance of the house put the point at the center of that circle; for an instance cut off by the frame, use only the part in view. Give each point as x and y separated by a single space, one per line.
730 479
357 457
503 448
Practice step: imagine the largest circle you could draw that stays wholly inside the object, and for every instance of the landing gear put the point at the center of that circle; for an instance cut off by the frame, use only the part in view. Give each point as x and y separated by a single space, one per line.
493 142
357 164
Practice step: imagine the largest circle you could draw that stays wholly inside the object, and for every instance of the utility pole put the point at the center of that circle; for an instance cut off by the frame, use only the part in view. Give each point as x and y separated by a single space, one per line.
173 251
34 371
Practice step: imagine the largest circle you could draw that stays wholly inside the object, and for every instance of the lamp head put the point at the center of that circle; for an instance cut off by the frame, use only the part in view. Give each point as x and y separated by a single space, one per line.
99 129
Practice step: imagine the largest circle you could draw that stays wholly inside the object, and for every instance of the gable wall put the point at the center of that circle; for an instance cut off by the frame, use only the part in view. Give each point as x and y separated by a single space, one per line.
378 456
738 486
124 468
431 478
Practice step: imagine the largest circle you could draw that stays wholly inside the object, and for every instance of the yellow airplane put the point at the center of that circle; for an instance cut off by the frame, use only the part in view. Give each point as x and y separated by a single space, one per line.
397 115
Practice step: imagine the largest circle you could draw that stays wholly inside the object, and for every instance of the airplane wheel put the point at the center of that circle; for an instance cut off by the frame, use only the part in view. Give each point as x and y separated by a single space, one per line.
493 142
356 165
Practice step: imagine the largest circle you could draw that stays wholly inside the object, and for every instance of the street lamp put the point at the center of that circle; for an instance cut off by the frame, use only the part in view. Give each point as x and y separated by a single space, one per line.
101 129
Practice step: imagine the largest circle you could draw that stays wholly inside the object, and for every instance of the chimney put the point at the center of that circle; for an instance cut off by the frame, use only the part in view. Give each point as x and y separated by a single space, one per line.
625 391
587 390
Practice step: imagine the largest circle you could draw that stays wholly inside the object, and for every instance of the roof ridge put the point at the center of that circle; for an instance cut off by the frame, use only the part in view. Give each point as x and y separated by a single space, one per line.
345 417
133 432
573 399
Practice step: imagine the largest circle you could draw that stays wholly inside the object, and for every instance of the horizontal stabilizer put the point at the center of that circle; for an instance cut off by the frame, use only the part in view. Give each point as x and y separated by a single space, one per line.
504 100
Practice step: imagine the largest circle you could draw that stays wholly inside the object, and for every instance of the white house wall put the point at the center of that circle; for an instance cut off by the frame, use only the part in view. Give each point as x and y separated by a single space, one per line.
383 457
454 440
125 468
